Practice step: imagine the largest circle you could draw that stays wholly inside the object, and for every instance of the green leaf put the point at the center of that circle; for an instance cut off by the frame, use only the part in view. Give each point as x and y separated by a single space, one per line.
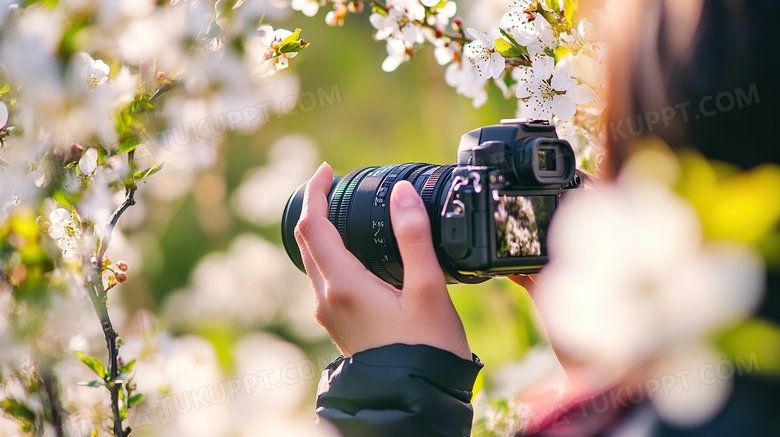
129 144
561 52
18 410
138 176
506 48
121 378
91 362
375 8
122 404
570 7
293 43
135 399
128 367
93 383
517 47
5 88
554 5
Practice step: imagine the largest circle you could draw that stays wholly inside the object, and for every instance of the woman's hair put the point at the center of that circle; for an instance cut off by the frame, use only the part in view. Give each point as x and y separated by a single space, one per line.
697 73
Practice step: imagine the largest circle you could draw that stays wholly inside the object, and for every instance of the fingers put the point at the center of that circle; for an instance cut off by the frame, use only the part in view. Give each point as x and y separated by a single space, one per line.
412 229
311 267
321 238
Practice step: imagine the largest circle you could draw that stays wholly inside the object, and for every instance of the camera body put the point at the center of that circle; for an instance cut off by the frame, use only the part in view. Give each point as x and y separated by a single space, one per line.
489 212
508 182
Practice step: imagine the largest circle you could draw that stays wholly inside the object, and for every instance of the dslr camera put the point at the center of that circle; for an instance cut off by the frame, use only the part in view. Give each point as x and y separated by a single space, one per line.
489 213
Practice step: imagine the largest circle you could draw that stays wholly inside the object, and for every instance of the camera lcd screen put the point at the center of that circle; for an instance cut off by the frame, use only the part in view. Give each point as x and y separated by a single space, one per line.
521 224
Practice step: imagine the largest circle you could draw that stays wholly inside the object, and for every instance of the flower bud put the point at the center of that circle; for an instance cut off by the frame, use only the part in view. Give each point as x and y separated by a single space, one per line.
121 277
355 7
122 265
457 23
75 153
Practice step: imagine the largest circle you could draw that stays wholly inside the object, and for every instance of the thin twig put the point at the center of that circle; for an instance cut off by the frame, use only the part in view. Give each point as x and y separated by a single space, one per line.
128 202
162 89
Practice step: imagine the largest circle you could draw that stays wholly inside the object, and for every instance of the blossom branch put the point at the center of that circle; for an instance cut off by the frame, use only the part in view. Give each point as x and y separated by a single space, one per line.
99 298
460 38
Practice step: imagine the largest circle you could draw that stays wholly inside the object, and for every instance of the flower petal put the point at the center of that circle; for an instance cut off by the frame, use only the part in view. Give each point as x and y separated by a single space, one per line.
543 67
581 94
59 216
410 33
443 55
57 231
3 115
562 80
310 8
88 162
481 37
497 64
391 63
563 108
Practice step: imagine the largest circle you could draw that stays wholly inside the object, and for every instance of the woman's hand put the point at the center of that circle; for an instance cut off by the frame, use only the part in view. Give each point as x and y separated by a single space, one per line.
359 310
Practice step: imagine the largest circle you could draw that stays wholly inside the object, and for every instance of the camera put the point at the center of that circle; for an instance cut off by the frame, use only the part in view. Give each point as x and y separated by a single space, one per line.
490 212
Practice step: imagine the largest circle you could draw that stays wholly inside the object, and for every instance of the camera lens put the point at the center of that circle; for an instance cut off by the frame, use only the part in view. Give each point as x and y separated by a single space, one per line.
359 208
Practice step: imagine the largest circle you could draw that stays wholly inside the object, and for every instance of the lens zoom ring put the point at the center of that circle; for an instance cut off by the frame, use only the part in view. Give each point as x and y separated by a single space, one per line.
429 189
339 206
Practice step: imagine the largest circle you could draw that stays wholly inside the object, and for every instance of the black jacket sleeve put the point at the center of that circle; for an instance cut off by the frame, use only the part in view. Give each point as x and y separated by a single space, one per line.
399 390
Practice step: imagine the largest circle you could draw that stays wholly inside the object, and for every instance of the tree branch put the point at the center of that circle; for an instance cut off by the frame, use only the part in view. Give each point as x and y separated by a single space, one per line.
51 386
99 298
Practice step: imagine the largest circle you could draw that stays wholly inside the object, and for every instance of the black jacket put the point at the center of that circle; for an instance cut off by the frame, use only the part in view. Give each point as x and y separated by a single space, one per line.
399 390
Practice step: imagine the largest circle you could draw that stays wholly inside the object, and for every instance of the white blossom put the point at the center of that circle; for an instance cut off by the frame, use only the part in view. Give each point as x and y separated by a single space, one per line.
386 25
483 54
66 229
443 55
93 72
440 17
89 161
307 7
262 47
642 282
337 15
396 54
467 81
407 11
543 99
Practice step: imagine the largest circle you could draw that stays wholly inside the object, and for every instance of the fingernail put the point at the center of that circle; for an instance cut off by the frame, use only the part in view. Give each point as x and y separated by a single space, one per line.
324 163
404 196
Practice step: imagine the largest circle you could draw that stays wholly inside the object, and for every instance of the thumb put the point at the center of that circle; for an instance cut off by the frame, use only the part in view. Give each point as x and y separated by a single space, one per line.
412 229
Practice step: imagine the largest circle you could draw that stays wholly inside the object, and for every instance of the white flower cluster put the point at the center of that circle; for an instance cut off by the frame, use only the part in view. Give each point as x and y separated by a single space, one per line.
516 220
562 72
403 24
